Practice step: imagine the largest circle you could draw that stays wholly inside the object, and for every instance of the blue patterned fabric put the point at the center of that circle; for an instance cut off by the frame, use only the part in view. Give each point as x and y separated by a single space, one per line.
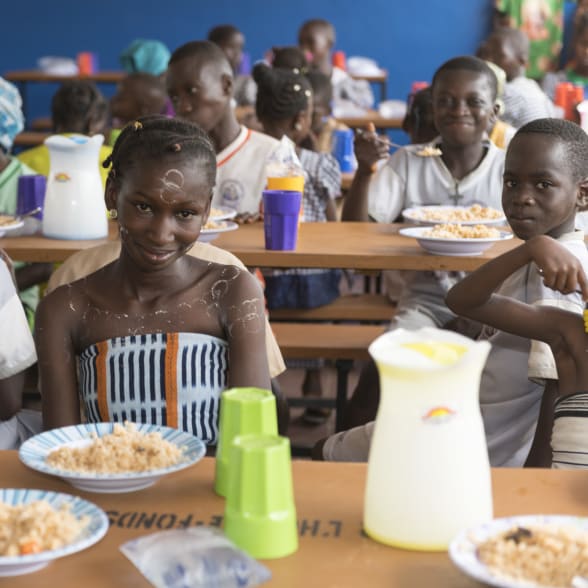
11 116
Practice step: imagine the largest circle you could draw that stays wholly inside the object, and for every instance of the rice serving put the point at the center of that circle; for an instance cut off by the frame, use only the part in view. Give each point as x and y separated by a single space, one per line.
549 555
31 528
122 451
450 231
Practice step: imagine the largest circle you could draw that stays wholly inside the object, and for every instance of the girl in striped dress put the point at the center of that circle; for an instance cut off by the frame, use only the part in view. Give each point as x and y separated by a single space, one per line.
156 335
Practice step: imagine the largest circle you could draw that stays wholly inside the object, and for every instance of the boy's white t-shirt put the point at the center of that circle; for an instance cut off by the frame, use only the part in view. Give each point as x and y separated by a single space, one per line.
407 180
240 175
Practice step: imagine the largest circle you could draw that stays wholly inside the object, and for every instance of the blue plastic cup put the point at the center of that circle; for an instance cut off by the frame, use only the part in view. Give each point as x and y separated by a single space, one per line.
31 194
343 149
281 209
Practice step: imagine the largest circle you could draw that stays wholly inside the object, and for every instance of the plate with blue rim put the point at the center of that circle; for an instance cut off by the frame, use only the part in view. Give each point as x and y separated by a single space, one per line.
93 531
33 453
463 549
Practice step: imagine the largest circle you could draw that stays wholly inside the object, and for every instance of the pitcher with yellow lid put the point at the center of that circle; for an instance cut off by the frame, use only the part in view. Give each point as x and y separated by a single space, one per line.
428 472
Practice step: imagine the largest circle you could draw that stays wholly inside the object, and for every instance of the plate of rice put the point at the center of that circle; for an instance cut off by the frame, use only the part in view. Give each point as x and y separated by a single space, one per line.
213 228
533 551
9 223
220 213
455 239
476 214
37 526
111 457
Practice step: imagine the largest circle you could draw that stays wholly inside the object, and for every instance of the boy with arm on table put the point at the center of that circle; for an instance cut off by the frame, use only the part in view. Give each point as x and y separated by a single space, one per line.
545 182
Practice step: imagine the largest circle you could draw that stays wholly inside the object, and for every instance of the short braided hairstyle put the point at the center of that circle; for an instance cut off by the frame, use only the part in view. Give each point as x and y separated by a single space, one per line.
290 57
571 136
156 137
281 93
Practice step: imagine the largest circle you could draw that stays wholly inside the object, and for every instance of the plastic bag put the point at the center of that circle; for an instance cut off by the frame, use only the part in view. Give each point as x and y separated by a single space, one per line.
196 557
283 162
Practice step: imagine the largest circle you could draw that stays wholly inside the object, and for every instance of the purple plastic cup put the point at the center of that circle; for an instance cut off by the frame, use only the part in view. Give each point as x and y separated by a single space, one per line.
281 209
31 194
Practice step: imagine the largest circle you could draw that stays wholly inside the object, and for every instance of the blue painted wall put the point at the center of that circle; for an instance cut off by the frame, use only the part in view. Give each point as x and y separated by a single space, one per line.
408 38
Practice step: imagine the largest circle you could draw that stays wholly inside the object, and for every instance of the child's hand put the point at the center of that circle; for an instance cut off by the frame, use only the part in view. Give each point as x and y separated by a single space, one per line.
561 270
369 148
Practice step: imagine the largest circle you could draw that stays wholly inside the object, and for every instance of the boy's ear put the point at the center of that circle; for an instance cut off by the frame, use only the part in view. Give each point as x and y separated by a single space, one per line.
227 85
582 198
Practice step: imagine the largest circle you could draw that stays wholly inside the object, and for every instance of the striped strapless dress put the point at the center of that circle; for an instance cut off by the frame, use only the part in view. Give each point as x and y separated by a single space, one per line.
172 379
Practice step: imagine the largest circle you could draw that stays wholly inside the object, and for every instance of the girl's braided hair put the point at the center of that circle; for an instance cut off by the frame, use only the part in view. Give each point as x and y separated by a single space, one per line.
154 137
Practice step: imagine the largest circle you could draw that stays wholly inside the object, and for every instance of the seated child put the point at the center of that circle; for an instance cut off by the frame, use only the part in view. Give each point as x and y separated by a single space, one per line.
469 170
418 122
17 352
545 181
523 99
317 37
284 107
180 329
11 169
231 40
200 84
562 408
576 71
139 94
78 106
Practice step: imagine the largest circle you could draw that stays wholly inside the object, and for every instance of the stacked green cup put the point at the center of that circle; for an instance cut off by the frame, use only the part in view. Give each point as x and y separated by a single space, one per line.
260 515
242 411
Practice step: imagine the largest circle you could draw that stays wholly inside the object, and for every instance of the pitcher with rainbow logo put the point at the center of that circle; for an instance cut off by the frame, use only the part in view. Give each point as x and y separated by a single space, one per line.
428 472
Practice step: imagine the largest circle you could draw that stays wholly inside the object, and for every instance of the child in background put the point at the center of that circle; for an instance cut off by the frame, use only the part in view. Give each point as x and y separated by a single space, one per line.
523 98
419 122
317 37
499 132
199 325
284 107
545 182
577 70
17 353
11 169
78 106
200 84
139 94
231 40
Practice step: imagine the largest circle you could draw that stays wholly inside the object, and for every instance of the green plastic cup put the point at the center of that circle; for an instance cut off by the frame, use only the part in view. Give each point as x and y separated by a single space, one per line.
260 515
242 411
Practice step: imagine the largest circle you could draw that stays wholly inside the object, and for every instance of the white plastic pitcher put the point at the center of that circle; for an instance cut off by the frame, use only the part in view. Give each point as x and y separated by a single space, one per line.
74 201
428 472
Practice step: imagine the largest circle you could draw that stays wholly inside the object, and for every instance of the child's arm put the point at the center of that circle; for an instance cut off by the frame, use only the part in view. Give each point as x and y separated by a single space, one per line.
540 454
369 149
245 328
473 297
57 361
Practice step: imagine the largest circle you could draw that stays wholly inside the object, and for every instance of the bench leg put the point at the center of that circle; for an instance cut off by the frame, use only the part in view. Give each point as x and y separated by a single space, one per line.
343 368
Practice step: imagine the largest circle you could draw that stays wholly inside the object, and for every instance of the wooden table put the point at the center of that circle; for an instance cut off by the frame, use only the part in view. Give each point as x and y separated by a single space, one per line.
30 138
381 79
329 500
361 246
380 122
24 77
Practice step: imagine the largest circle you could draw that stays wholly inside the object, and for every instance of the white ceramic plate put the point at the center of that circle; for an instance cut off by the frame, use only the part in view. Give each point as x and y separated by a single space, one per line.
452 247
92 533
17 224
34 451
463 549
415 216
207 235
220 213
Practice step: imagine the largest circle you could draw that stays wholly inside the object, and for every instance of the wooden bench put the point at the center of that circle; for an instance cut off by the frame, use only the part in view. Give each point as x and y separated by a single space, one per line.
342 343
350 307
